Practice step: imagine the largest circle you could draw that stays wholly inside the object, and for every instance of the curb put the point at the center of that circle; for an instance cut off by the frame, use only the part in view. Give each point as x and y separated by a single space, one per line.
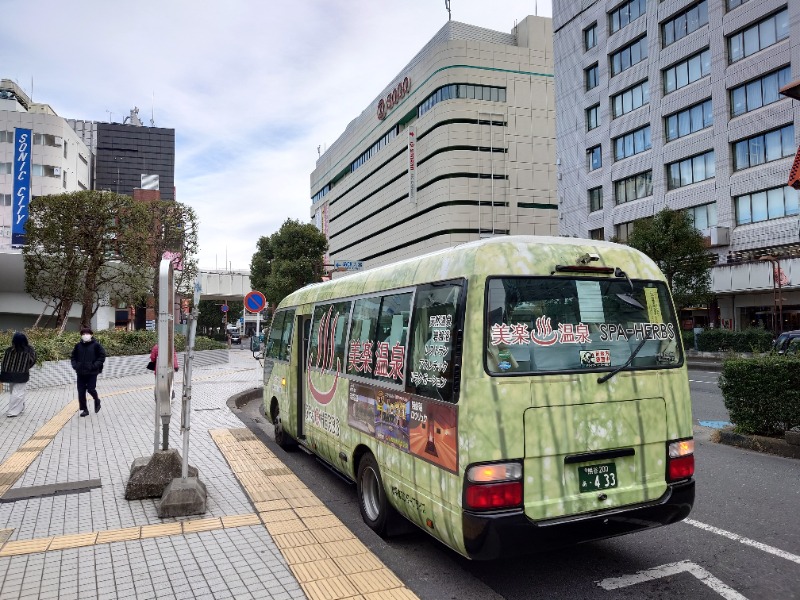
758 443
242 398
704 365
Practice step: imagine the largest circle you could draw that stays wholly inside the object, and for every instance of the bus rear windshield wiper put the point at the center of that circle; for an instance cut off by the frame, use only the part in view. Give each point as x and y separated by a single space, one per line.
608 376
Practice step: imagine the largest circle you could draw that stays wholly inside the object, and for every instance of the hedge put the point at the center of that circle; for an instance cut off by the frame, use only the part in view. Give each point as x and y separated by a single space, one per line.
754 339
762 394
51 346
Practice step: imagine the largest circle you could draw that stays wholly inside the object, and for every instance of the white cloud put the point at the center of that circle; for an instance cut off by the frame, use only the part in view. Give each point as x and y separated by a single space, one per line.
251 89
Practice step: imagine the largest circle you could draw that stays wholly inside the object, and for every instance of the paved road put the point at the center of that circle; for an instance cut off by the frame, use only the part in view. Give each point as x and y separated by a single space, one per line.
742 539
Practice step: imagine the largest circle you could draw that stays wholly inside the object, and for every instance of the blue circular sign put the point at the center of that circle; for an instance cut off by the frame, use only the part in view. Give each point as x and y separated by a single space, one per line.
224 308
255 302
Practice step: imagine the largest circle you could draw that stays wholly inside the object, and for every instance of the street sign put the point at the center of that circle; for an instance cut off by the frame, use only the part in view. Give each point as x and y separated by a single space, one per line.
348 265
225 308
255 302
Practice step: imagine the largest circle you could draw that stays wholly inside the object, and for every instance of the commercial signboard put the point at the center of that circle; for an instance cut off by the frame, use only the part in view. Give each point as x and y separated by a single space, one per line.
412 163
22 185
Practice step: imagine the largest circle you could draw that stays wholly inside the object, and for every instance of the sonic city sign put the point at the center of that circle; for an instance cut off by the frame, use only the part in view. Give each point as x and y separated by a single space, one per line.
393 97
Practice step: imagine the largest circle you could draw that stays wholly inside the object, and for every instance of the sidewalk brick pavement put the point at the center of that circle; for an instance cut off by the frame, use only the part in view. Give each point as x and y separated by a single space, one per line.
225 562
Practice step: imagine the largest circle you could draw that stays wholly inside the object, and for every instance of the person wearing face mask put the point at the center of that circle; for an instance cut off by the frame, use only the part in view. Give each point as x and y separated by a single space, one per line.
87 359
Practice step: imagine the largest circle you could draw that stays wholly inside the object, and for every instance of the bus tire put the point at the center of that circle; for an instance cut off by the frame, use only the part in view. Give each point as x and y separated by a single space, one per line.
372 502
283 439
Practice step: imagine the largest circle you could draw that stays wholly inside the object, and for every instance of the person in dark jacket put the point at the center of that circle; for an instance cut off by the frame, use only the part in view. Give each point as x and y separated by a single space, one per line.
87 359
15 371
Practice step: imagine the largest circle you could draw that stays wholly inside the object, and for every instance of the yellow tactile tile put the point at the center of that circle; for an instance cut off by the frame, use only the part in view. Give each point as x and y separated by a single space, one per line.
276 516
304 554
149 531
375 581
241 520
323 522
315 570
119 535
198 525
294 540
334 588
304 502
25 546
345 548
332 534
358 563
272 505
396 594
286 526
76 540
307 512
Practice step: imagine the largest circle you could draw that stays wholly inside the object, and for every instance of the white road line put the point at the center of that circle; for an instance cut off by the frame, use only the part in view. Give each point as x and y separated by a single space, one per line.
685 566
699 381
743 540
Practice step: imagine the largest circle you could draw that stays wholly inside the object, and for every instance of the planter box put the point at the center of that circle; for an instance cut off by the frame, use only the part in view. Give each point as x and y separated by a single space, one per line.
60 372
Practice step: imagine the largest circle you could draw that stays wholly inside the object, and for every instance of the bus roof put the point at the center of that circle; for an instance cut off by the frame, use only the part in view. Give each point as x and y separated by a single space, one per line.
502 255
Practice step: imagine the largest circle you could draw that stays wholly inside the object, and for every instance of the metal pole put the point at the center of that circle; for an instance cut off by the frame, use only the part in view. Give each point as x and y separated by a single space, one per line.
780 295
157 437
187 381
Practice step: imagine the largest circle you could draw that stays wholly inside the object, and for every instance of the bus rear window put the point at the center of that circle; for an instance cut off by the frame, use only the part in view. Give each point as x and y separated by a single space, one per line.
555 324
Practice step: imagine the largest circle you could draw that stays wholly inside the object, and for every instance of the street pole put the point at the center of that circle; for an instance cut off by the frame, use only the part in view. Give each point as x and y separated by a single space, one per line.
187 380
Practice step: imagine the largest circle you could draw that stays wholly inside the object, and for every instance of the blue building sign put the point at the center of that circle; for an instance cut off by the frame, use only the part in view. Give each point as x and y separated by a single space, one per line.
22 185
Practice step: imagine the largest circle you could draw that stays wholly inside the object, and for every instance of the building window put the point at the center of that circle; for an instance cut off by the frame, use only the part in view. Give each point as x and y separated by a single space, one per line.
5 199
7 136
703 216
45 171
734 3
591 77
86 162
631 99
684 23
633 187
626 13
763 148
597 234
592 117
45 139
590 37
5 231
65 150
6 168
462 90
595 199
594 157
624 231
64 179
690 170
628 56
768 204
687 71
761 35
759 92
632 143
319 194
688 121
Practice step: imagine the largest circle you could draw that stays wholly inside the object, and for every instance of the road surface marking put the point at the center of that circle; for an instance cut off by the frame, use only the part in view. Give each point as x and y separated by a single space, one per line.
743 540
700 381
615 583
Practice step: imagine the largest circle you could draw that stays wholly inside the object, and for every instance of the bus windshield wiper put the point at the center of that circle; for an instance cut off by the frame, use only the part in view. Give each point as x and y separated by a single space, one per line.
608 376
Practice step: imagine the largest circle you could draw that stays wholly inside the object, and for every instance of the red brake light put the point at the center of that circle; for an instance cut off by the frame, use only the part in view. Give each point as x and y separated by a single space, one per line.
494 495
681 468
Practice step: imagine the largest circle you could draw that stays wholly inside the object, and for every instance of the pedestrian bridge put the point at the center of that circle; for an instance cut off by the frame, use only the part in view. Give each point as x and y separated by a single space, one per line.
224 285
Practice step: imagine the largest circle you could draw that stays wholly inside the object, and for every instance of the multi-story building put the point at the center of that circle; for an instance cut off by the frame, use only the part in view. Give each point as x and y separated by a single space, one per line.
459 145
676 104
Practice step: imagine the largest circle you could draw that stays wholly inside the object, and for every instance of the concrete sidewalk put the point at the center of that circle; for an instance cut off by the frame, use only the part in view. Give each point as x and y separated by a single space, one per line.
87 541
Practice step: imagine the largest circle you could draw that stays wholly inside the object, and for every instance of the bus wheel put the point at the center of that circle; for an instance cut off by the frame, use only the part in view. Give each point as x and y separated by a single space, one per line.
375 508
282 438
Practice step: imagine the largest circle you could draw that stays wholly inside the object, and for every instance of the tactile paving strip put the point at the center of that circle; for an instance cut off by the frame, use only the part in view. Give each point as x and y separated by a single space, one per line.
328 560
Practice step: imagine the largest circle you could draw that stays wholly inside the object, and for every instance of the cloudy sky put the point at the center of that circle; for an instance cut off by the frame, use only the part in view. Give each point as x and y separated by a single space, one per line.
252 89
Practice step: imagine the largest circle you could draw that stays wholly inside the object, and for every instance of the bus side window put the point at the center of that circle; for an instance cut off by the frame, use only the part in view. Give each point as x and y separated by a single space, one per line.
275 335
286 337
391 338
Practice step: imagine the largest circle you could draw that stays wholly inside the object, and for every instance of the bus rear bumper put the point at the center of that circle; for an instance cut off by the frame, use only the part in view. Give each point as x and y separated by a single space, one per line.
491 536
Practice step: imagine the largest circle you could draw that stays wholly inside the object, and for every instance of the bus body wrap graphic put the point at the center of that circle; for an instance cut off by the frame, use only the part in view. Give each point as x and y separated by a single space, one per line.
326 342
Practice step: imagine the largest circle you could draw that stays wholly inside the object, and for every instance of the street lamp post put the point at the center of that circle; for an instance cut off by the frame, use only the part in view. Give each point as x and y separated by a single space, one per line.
777 292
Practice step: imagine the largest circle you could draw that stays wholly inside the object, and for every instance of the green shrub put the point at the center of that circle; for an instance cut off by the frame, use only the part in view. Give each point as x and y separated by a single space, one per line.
688 339
51 346
762 394
754 339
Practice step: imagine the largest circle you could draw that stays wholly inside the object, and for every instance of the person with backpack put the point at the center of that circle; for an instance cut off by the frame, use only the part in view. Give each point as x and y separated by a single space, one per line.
87 360
15 371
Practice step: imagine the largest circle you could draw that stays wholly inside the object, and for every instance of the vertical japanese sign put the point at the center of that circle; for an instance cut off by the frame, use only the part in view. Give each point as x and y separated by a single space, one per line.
412 163
22 185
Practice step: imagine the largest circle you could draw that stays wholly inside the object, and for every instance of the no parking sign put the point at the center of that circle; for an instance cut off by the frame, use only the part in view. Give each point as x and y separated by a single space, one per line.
255 302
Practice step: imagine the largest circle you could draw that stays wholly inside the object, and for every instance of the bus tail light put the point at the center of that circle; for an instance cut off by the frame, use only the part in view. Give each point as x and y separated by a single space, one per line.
680 460
493 486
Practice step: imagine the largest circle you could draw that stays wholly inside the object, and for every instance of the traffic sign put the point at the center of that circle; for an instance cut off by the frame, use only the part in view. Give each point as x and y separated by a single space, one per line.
255 302
224 308
348 265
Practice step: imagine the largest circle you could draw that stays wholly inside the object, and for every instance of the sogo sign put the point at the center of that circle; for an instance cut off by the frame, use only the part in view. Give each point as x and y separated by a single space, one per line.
393 97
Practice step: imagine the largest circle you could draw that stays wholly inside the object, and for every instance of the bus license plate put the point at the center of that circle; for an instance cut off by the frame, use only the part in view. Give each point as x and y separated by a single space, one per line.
597 477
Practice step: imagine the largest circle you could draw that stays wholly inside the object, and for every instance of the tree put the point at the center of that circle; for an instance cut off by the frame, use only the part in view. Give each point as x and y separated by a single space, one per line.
288 259
680 251
84 247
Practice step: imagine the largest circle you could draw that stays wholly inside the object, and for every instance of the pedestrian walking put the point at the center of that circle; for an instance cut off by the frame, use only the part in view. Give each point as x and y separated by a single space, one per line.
15 371
154 358
87 359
